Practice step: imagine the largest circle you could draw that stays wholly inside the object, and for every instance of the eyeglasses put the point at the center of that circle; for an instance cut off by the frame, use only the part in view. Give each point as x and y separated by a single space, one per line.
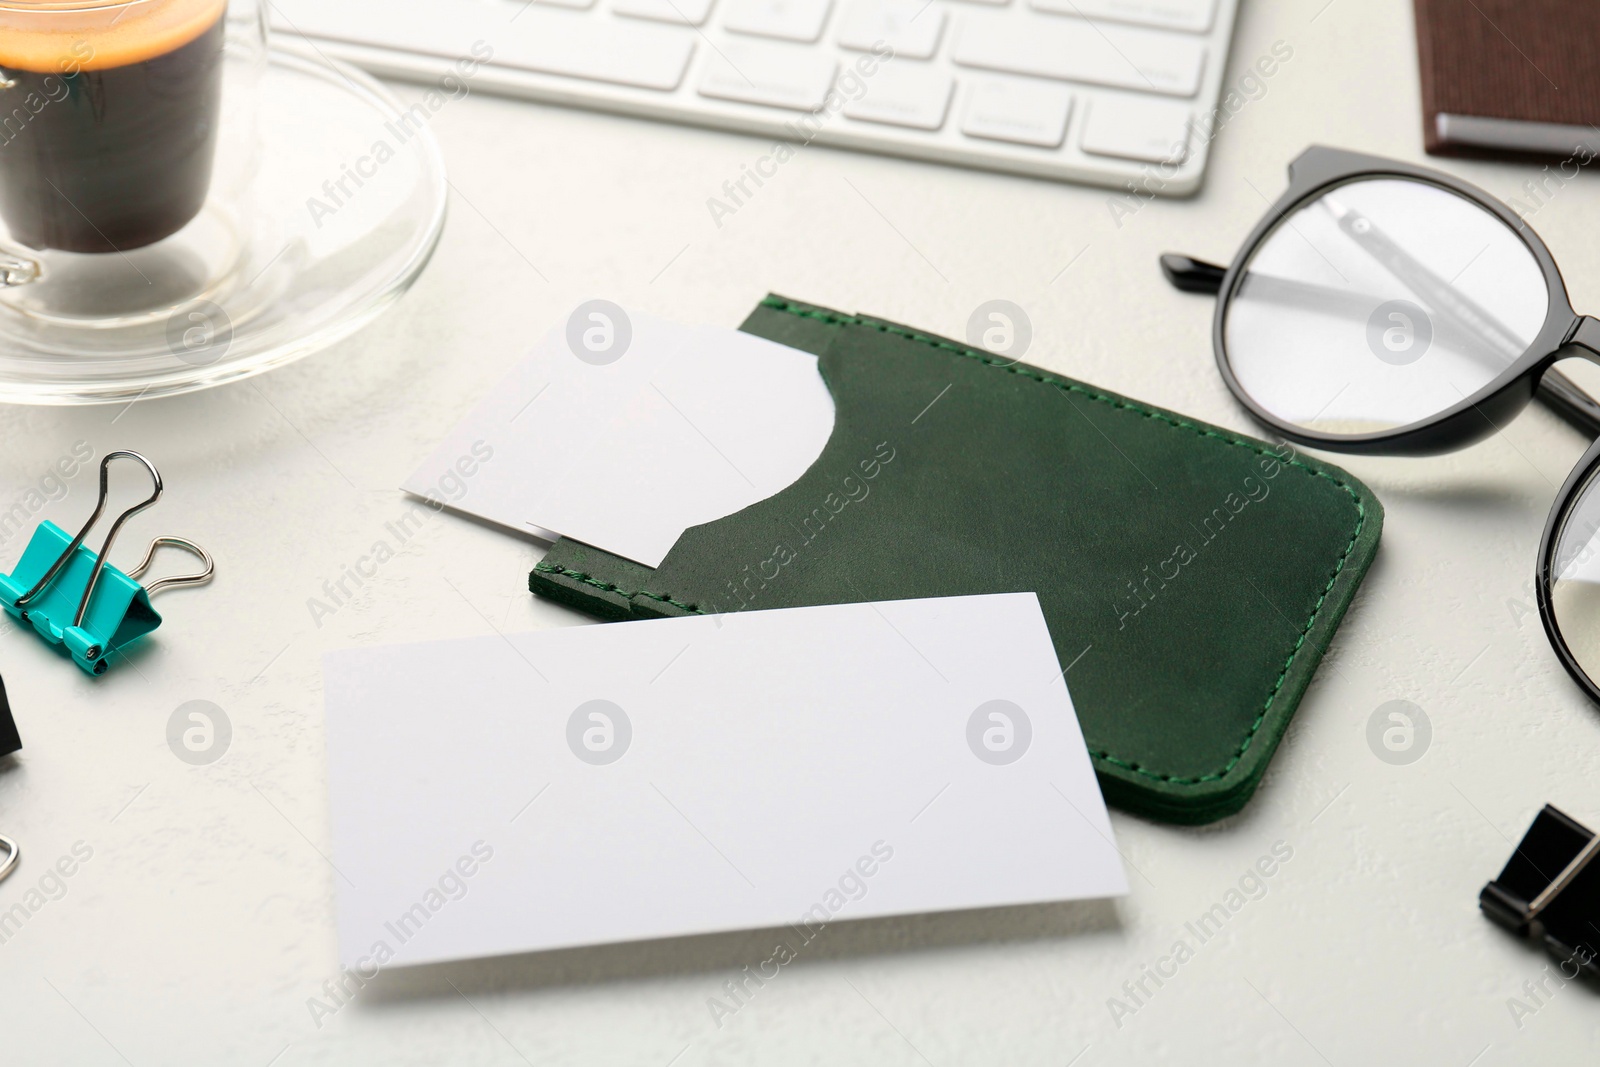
1382 308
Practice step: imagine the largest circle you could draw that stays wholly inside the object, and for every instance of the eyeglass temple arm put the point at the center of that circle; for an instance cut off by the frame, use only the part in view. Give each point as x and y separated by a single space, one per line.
1192 275
1556 391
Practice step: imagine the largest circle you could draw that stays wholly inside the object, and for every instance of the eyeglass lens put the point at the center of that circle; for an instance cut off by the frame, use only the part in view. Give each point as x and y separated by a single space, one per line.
1378 304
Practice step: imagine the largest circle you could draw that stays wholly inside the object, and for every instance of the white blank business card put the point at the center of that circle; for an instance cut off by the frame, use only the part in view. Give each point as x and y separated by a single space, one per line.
641 780
622 430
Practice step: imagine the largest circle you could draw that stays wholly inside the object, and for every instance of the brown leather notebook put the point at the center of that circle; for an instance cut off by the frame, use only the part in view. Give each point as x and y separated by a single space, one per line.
1510 77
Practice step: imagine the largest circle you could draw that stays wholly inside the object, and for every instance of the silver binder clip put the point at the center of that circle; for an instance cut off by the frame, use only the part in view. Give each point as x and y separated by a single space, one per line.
8 864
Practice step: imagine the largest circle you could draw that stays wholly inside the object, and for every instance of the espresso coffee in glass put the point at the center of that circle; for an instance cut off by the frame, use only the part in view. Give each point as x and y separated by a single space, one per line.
108 120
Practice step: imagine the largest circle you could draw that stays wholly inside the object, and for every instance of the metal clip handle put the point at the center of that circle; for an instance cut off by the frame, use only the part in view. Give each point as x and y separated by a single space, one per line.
1568 873
100 559
12 852
176 579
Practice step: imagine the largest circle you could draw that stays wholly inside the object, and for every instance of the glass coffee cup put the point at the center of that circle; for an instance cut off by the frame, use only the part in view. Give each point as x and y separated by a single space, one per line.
127 142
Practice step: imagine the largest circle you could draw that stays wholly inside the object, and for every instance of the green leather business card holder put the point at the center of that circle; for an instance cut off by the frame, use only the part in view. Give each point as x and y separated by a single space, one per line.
1191 577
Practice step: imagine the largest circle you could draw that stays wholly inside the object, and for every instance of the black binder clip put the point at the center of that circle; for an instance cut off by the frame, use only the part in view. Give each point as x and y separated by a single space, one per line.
9 743
1550 890
76 600
10 740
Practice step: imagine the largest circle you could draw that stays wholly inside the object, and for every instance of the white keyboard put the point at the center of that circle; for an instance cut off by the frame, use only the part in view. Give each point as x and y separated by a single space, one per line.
1098 91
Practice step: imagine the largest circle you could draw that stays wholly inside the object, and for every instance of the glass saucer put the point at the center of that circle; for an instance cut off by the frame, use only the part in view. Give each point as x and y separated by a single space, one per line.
338 229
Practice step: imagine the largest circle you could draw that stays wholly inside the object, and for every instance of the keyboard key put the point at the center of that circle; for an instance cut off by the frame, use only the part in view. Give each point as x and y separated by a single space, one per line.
789 20
1077 50
1151 131
1022 112
577 5
1191 15
681 12
899 95
910 27
1132 128
771 74
575 46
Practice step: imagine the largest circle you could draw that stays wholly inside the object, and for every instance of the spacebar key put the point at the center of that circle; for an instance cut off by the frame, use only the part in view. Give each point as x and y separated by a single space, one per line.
568 43
1081 51
775 75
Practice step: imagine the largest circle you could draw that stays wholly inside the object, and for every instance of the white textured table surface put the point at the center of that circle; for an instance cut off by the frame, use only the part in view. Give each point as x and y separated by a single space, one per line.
201 925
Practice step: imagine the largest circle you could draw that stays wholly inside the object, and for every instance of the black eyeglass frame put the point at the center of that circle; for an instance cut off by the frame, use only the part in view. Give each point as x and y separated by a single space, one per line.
1564 333
1543 586
1317 171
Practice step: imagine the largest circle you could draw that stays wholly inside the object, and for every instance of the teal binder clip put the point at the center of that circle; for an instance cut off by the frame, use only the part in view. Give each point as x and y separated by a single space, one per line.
76 600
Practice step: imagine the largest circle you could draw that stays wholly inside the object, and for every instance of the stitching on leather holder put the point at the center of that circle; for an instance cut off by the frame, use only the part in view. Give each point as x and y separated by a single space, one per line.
1066 387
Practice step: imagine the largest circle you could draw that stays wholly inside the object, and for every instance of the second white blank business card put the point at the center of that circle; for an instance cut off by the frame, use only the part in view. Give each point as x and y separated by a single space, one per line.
641 780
